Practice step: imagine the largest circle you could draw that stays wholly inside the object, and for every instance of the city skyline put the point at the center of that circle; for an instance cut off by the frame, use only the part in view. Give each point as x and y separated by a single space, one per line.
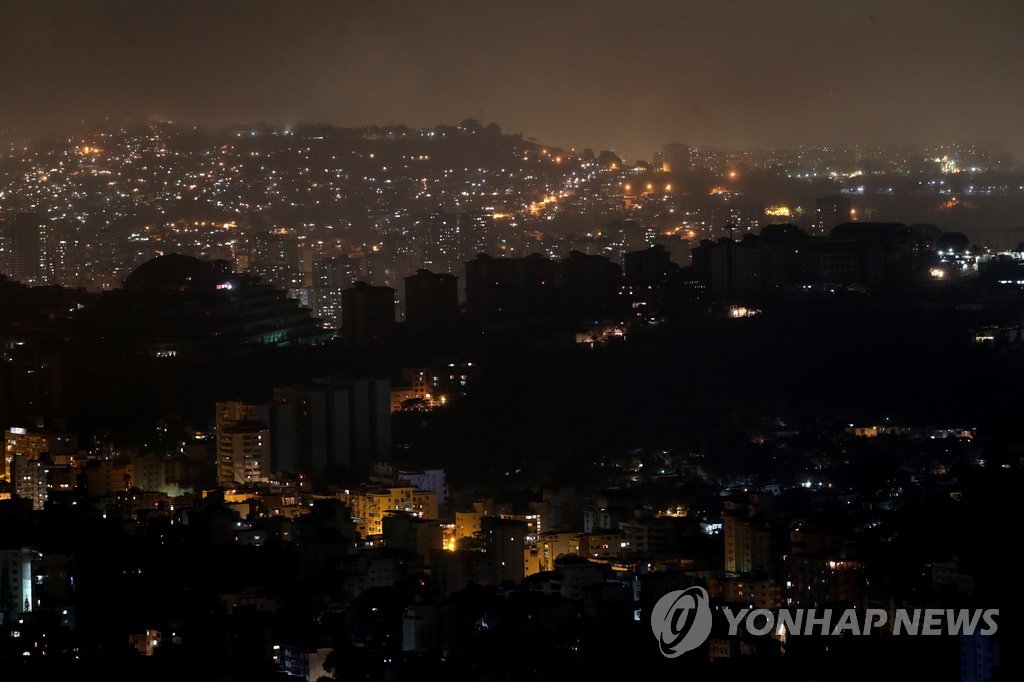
511 341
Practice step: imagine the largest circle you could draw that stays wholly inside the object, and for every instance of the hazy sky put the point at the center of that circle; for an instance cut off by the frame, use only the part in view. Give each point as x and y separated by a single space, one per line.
623 75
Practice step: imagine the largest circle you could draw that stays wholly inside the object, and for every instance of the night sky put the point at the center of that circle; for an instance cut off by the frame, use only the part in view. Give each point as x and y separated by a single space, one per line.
623 75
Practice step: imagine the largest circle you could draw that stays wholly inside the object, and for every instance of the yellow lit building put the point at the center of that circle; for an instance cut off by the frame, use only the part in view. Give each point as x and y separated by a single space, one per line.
370 505
19 441
531 560
424 504
747 540
553 545
467 524
243 443
419 388
243 454
601 545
